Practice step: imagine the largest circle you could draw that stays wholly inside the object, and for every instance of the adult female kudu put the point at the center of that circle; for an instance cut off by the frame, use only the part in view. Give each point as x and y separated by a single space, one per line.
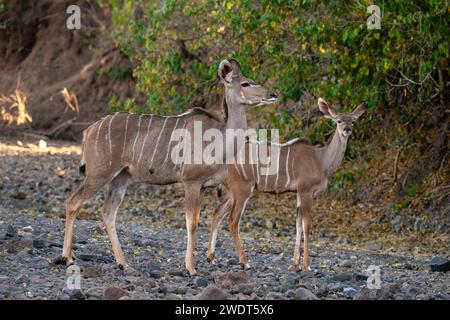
301 168
125 146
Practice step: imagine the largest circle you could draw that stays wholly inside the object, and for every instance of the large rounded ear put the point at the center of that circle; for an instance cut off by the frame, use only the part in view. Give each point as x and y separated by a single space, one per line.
359 110
225 71
325 108
236 68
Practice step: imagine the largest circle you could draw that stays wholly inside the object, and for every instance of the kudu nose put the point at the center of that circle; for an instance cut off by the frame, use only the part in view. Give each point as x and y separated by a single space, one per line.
347 130
273 95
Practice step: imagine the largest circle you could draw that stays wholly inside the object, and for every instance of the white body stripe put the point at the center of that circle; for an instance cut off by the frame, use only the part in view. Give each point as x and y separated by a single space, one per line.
98 132
278 168
257 164
242 163
157 141
109 138
125 137
145 140
267 176
288 181
137 135
168 144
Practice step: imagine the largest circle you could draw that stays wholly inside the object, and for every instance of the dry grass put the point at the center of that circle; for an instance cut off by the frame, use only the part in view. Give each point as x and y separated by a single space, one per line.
14 108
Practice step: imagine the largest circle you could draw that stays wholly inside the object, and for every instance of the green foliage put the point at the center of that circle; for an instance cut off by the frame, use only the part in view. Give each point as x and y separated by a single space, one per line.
411 193
321 47
120 72
341 180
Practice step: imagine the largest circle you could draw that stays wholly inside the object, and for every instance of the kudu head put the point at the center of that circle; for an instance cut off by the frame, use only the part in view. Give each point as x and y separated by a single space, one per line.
344 121
240 90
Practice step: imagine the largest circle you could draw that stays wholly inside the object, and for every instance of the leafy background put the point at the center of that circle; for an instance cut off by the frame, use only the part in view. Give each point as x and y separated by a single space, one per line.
398 157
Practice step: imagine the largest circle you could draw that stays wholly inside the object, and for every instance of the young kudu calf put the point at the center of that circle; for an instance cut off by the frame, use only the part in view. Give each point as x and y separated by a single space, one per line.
301 168
125 146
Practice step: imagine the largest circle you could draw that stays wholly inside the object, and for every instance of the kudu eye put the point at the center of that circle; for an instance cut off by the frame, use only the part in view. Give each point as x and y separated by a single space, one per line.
339 121
245 84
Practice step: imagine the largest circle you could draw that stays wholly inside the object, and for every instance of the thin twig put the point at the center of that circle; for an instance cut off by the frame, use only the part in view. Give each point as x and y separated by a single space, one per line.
397 157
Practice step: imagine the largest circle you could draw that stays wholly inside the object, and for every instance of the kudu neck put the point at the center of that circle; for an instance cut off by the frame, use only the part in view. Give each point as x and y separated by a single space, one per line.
333 154
236 113
236 120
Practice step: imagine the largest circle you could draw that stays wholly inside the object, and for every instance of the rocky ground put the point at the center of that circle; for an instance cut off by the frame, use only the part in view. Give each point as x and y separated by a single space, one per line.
36 180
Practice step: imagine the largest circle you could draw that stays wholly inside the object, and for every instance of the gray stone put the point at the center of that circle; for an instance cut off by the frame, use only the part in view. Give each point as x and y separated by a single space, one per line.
21 279
201 282
387 291
38 243
14 246
11 232
227 280
77 294
346 263
373 246
181 290
341 277
115 293
439 264
92 272
362 294
349 292
360 276
244 288
274 296
157 274
304 294
212 292
335 287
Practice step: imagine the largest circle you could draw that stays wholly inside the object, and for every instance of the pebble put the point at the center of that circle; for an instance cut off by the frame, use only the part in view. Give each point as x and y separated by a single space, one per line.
212 292
373 246
304 294
349 292
115 293
11 232
201 282
439 264
346 263
92 272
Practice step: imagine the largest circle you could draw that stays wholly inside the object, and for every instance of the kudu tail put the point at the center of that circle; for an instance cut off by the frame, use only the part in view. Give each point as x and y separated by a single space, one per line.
219 190
82 167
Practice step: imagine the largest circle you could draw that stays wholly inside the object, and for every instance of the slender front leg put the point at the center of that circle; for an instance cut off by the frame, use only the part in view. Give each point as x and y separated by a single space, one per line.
241 197
298 238
306 214
222 210
192 205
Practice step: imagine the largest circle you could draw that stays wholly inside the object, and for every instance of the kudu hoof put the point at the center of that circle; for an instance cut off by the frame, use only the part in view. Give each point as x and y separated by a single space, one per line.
245 266
210 258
